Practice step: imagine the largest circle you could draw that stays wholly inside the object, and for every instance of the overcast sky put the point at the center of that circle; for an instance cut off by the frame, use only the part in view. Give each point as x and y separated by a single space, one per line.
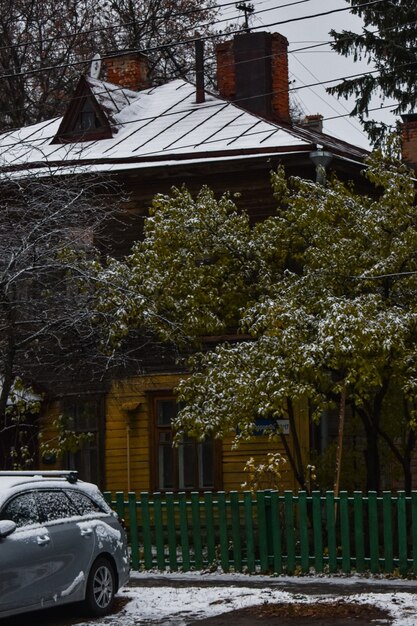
312 66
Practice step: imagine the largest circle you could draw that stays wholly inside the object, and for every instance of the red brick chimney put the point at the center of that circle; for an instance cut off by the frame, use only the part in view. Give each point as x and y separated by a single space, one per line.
128 70
252 70
409 139
313 122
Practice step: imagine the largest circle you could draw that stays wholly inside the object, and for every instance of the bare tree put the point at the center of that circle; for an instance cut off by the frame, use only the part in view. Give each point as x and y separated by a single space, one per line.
51 228
45 45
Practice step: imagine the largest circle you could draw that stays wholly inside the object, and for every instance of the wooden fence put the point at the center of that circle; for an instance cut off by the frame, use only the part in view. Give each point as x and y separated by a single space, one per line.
271 532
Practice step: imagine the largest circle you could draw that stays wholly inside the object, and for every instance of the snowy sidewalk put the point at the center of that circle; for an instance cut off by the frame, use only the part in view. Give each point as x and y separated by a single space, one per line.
155 599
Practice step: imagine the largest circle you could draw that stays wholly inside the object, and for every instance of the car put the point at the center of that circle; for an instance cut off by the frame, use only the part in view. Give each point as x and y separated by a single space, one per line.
60 543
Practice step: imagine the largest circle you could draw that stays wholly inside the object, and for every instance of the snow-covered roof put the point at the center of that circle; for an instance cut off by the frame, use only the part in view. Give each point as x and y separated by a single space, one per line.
161 126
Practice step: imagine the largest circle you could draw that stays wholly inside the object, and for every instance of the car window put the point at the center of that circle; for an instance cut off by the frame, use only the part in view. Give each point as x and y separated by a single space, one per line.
84 504
55 505
22 510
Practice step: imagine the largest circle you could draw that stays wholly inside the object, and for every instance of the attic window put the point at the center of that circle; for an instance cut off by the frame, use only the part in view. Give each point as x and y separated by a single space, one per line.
85 119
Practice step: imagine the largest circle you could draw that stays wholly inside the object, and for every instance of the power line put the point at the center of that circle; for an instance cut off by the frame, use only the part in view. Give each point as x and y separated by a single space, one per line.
304 48
114 27
181 43
167 114
127 24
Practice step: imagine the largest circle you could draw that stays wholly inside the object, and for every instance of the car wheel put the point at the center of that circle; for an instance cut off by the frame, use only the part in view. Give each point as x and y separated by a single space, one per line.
101 587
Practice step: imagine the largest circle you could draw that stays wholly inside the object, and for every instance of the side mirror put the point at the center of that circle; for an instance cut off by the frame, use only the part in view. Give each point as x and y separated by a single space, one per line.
7 527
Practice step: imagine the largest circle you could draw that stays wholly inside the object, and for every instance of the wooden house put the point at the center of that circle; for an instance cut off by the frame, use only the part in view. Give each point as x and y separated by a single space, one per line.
151 138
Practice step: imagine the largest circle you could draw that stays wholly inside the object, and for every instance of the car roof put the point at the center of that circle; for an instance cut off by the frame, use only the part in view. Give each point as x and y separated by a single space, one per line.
14 478
11 482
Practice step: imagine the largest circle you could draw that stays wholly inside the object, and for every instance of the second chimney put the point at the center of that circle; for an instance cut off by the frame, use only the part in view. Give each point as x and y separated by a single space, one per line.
128 70
409 139
252 70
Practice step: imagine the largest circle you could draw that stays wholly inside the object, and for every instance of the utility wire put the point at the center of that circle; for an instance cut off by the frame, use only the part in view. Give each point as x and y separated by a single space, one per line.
180 43
149 119
304 48
127 24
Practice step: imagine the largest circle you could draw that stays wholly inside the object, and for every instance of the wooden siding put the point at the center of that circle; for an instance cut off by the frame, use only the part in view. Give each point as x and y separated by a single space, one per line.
128 438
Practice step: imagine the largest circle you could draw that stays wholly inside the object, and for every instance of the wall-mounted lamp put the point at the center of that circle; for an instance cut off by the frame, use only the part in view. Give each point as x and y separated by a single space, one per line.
321 159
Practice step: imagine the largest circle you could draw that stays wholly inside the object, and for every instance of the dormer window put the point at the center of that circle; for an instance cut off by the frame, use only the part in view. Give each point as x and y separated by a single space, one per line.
85 119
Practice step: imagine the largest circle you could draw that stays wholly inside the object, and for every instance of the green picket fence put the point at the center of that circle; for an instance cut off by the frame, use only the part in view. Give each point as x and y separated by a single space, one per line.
272 532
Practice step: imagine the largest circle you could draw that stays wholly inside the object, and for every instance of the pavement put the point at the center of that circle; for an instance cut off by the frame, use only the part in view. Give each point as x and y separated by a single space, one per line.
335 611
339 612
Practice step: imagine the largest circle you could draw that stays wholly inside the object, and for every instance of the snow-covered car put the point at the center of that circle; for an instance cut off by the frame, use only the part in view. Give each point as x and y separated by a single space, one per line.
59 543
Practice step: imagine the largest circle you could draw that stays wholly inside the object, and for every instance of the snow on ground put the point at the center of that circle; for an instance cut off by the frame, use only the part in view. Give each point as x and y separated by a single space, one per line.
180 599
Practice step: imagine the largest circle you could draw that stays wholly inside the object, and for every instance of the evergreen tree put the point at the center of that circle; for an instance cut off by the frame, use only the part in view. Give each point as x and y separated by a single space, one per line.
388 43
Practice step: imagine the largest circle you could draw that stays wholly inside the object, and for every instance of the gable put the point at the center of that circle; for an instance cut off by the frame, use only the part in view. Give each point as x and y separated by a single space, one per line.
84 119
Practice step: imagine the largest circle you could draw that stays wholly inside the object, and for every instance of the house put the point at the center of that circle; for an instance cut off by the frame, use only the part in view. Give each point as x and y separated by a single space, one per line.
151 138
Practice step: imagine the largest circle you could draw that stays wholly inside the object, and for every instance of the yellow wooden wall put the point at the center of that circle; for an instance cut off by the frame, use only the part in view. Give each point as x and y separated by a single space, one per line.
128 438
128 433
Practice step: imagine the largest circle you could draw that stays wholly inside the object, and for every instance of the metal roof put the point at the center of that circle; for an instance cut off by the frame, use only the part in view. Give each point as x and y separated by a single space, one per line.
160 126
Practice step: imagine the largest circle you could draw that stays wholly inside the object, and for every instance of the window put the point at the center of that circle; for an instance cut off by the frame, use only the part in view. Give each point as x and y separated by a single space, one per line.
190 466
55 505
85 416
87 118
84 504
22 510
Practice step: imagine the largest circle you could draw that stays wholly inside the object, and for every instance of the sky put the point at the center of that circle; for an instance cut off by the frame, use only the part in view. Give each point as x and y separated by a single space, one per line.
312 66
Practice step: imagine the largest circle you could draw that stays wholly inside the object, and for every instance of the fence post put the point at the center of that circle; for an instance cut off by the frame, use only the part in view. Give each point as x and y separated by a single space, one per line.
331 531
133 524
373 531
250 555
303 523
387 517
159 532
276 533
289 530
211 546
317 531
146 530
344 531
359 536
185 547
262 531
171 530
237 550
402 533
120 504
414 529
195 516
224 545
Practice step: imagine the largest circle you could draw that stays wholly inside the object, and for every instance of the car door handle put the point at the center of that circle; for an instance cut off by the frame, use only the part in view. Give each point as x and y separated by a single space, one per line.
86 532
43 540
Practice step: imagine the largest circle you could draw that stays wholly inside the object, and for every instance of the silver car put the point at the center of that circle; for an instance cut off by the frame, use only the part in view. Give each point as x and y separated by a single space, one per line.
59 543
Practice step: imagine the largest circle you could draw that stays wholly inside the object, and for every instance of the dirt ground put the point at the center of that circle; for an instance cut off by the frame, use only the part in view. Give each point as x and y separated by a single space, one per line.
340 613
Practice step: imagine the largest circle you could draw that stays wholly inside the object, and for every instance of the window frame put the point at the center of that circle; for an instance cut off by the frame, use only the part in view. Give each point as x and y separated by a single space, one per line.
155 430
72 408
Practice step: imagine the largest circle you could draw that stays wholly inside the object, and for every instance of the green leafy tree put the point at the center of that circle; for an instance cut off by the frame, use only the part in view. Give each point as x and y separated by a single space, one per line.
324 296
388 43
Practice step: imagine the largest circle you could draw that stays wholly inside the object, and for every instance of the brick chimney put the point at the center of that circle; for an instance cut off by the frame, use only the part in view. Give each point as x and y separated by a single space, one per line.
312 122
252 70
128 70
409 139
